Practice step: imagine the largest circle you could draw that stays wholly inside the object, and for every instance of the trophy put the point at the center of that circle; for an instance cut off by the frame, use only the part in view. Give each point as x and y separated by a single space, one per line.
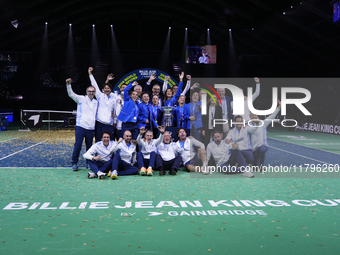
167 117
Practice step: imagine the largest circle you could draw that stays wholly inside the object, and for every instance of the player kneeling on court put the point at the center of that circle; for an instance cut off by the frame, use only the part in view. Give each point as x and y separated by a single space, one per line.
123 160
100 154
190 158
225 157
167 157
147 154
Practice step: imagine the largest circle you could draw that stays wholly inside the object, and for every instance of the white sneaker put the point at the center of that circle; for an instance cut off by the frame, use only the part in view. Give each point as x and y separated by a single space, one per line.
205 170
91 175
248 174
100 174
114 174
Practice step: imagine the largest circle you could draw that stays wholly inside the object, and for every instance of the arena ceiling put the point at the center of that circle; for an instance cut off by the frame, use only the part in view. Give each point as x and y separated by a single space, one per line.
304 37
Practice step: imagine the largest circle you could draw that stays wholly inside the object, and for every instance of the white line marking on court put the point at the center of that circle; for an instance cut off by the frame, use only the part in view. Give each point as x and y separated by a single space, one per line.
22 150
304 146
298 155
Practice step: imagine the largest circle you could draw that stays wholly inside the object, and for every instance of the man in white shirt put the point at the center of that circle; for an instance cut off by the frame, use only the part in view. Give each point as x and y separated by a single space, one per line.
147 150
220 151
259 137
85 121
106 106
168 156
100 154
123 161
190 158
240 135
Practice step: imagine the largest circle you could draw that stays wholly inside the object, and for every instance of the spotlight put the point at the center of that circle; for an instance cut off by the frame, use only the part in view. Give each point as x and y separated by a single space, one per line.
111 26
208 29
284 13
15 23
92 25
169 27
229 29
291 6
253 29
186 28
46 23
70 24
300 2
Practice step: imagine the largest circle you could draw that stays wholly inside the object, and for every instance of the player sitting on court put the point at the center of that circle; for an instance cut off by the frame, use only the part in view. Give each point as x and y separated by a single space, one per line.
123 161
190 158
100 154
147 150
167 157
220 151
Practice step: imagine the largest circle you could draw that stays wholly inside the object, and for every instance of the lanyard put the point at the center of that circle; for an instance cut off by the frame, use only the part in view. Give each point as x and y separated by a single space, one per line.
154 110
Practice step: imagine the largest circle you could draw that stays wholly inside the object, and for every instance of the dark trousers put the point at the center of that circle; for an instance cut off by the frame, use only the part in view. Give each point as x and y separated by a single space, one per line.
119 134
248 156
132 127
100 127
143 162
122 167
100 166
171 164
80 134
235 157
259 155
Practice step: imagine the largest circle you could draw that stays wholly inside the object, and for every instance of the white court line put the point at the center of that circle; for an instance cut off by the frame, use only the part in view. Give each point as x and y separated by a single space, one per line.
298 155
304 146
22 150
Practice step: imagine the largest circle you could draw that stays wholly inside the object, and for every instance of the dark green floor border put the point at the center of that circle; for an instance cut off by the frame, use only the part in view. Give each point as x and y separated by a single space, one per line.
293 229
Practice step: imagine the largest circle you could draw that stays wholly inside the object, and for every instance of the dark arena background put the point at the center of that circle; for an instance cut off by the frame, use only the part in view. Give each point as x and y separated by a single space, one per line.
46 208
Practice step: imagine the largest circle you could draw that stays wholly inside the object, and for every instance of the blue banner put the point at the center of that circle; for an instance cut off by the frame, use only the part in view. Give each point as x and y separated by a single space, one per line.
145 73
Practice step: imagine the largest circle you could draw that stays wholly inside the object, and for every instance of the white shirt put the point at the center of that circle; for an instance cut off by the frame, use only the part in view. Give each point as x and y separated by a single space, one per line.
187 87
241 137
168 151
259 137
211 113
224 108
119 107
220 152
189 150
106 104
128 154
146 148
86 109
105 152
